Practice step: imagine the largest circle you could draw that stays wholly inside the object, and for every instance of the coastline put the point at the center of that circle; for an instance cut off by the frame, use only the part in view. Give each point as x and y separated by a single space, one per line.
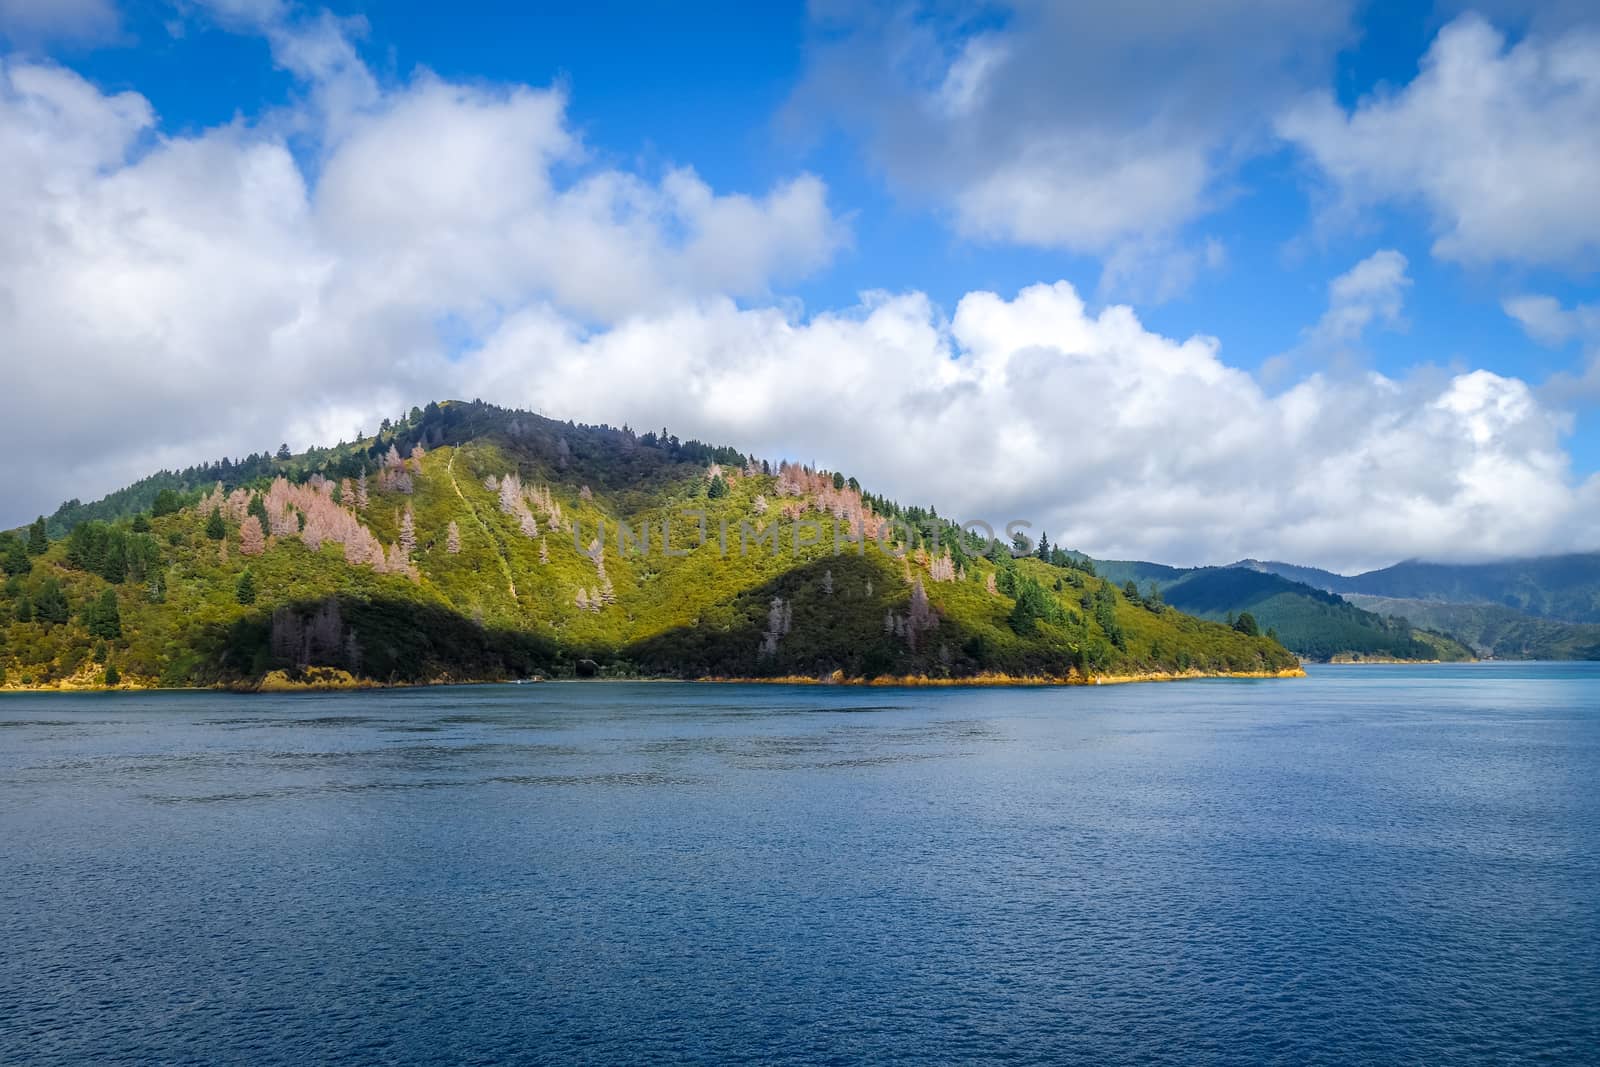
331 681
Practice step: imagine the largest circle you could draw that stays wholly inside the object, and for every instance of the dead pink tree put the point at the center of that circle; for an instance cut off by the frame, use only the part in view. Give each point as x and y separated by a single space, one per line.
452 539
252 542
408 533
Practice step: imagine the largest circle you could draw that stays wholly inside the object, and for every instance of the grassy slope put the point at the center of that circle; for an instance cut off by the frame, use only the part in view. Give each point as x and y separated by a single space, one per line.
702 613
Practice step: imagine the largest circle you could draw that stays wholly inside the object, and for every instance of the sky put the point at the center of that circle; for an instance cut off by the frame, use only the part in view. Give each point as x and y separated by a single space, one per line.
1309 280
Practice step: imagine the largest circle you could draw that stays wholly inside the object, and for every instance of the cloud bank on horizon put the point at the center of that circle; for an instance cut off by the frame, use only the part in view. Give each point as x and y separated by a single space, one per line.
172 295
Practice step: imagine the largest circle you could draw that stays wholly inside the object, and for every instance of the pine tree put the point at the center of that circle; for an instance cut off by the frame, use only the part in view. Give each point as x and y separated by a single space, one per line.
214 527
167 502
1044 546
50 604
245 591
14 556
718 488
102 617
38 539
258 508
113 676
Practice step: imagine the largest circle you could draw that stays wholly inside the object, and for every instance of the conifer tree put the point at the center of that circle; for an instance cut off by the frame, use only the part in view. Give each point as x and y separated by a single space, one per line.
50 603
167 502
38 539
245 591
214 527
14 556
102 618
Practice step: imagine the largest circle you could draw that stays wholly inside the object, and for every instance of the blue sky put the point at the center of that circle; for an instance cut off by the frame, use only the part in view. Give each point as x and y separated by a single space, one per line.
1215 182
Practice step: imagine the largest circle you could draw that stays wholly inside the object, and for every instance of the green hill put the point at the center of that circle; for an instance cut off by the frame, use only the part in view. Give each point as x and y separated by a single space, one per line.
1565 587
1494 631
1313 623
467 541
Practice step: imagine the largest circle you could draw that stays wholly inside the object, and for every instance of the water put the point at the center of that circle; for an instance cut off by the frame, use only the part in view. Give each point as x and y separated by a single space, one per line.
1377 864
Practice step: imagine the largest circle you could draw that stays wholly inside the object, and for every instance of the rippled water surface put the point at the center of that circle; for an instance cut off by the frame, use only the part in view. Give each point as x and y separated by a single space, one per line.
1375 864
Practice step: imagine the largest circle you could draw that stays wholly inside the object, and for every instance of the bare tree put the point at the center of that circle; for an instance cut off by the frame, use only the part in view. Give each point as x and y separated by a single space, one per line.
252 542
408 533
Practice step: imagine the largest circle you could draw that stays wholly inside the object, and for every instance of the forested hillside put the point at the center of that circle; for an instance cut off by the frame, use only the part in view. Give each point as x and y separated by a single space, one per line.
1310 621
1495 631
465 541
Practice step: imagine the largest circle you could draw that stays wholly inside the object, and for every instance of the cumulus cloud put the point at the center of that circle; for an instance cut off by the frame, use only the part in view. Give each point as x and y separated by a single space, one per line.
1110 436
1074 126
166 299
1499 143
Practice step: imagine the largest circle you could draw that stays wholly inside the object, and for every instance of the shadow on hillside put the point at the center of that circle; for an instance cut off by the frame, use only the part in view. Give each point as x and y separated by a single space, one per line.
382 639
821 617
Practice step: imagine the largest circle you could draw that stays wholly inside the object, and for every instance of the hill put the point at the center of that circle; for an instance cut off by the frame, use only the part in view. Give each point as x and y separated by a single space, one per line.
1311 622
466 541
1565 587
1495 631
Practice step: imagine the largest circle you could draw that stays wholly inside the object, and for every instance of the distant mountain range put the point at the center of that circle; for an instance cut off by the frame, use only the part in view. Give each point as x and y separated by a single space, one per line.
1541 608
1561 588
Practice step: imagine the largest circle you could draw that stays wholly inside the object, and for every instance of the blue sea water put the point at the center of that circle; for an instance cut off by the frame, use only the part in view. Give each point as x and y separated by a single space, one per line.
1370 865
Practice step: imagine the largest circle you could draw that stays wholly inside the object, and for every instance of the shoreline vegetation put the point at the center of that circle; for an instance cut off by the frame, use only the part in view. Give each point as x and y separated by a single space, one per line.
329 680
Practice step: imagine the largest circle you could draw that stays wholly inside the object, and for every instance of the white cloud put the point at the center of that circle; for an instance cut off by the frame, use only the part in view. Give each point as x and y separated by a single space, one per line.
1373 291
1072 126
1113 438
1546 321
1500 144
173 296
